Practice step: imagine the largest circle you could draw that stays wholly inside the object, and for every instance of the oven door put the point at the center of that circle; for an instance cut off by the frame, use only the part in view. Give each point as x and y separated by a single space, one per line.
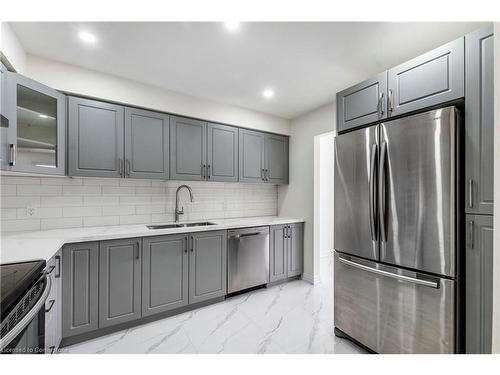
23 329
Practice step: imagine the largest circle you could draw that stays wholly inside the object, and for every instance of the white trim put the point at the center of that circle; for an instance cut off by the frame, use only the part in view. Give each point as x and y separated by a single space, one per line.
310 278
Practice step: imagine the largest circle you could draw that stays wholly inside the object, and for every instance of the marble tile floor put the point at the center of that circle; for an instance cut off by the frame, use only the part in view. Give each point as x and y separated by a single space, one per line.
295 317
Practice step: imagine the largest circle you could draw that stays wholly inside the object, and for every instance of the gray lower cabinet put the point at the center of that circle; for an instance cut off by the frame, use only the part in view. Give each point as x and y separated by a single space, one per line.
363 103
80 269
286 258
222 153
164 273
252 156
479 121
146 144
479 283
188 149
207 265
276 160
432 78
53 305
96 132
119 281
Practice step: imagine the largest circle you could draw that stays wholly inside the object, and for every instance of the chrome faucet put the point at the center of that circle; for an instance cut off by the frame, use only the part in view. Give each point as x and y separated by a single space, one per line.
181 211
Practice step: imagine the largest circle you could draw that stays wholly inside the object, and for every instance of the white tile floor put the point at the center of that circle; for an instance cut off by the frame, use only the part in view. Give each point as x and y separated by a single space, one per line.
295 317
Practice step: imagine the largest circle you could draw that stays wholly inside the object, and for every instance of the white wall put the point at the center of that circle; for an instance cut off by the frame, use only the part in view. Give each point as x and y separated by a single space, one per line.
325 207
12 49
297 198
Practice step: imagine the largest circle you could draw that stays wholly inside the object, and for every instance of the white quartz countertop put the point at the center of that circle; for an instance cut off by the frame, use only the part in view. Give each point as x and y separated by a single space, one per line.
24 246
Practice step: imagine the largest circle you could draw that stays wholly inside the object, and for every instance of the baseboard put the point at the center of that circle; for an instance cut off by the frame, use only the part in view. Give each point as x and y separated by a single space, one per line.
310 278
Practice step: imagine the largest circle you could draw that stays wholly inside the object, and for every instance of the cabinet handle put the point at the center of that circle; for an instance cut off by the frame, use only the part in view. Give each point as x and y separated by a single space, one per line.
185 244
203 171
471 203
58 272
51 268
391 107
13 153
266 174
471 234
137 250
381 104
192 244
208 172
262 175
120 166
51 303
127 167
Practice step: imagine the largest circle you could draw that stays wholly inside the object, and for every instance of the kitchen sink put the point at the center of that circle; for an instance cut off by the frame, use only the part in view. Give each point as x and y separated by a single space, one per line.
183 225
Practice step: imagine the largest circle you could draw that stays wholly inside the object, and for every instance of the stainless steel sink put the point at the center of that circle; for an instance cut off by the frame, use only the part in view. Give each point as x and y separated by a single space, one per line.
183 225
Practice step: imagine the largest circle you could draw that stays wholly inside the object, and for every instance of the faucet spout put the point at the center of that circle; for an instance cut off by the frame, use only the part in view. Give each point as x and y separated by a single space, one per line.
177 210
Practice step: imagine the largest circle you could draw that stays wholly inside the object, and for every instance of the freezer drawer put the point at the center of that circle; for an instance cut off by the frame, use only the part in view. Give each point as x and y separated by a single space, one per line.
391 310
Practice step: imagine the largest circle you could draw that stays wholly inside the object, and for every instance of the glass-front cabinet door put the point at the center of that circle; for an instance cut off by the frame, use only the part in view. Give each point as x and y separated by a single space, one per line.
37 127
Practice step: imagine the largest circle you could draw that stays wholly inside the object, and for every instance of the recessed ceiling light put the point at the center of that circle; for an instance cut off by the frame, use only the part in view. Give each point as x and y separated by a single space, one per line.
268 93
87 37
232 25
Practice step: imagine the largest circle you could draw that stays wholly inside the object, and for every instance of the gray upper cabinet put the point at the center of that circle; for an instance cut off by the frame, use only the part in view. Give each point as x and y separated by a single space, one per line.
363 103
277 253
222 149
164 273
95 138
36 126
252 156
207 265
146 144
188 149
5 123
479 122
79 288
119 281
433 78
295 251
276 160
479 284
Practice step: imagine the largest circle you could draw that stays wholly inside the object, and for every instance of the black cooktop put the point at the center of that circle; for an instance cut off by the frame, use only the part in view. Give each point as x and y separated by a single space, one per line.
16 279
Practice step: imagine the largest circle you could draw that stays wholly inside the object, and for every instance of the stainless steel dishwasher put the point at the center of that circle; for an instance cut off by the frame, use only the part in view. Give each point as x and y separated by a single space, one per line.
247 258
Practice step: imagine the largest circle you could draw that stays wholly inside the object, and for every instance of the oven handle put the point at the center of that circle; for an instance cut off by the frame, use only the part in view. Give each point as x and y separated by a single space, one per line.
23 323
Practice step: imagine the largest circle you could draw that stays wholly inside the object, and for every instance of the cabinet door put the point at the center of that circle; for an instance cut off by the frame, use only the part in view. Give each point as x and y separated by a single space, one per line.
95 138
252 156
37 126
276 170
119 281
479 284
5 123
207 266
53 305
188 140
80 288
479 122
277 253
433 78
146 144
295 250
363 103
164 273
222 158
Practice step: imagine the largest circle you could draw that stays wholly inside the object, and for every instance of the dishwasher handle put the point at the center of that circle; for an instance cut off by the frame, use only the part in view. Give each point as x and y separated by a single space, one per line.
247 234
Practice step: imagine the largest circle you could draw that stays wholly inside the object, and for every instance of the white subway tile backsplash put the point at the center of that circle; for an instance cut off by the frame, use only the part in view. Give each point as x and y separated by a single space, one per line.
75 202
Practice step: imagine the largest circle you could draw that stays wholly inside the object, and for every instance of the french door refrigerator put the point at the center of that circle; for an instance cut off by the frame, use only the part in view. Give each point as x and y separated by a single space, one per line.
395 224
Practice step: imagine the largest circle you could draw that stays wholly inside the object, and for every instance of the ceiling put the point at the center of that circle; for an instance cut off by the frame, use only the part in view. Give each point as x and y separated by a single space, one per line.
305 63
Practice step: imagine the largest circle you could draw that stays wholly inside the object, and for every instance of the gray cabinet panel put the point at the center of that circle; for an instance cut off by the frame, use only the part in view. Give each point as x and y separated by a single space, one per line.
80 288
278 253
95 138
53 316
276 169
363 103
295 251
430 79
5 122
207 265
222 158
187 149
479 283
252 156
119 281
146 144
164 273
479 122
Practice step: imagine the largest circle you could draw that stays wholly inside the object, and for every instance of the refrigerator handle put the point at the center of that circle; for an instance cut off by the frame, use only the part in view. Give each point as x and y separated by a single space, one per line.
372 193
381 191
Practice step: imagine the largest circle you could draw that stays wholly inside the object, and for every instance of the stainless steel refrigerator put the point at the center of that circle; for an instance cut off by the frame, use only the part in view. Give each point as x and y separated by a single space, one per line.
395 234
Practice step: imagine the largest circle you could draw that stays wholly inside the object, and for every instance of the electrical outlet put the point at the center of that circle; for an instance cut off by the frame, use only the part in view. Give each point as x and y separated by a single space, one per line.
30 211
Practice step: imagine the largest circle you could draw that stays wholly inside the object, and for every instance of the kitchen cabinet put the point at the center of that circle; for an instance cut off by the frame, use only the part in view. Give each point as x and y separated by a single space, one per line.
164 273
207 265
479 283
479 121
432 78
5 123
276 159
286 258
363 103
36 126
188 155
252 156
146 144
119 281
96 131
53 313
222 153
79 288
